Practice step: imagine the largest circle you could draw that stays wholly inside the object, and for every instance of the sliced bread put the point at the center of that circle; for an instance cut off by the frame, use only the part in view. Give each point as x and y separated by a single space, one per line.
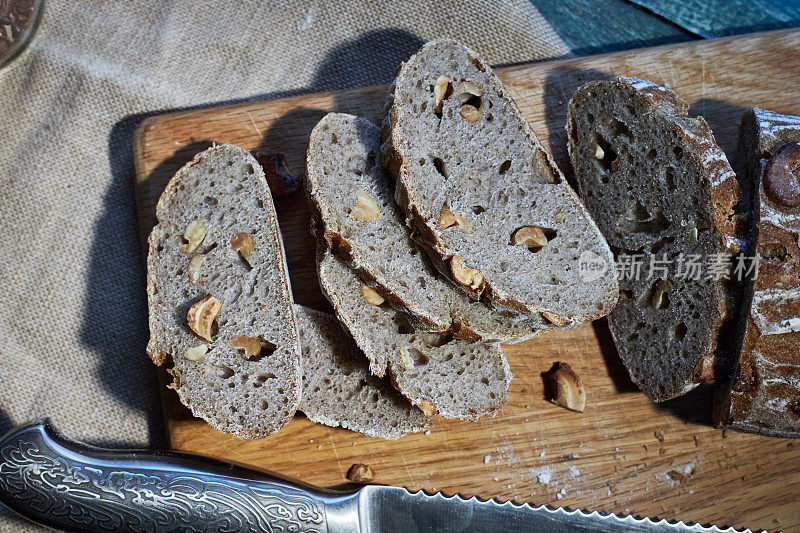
660 190
219 298
352 201
484 198
453 378
338 389
760 393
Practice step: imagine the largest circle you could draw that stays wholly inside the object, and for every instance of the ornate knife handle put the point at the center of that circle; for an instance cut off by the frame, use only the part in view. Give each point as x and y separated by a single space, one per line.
71 486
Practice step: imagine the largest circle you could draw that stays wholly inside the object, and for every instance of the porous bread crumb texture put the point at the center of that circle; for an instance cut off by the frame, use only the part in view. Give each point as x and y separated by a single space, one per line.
656 184
338 389
496 174
225 189
343 165
460 380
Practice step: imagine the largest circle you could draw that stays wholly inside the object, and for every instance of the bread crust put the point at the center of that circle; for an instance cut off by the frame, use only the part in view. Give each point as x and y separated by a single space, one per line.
762 393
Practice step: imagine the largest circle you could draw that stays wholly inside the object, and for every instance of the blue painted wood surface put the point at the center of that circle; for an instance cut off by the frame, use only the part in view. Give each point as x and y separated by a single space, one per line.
591 27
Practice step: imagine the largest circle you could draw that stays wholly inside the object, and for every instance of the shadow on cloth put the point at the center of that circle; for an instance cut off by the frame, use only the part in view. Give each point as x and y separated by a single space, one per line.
115 318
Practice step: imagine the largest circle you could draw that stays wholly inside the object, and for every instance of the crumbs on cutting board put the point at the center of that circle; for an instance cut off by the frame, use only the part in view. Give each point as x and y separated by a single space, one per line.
676 476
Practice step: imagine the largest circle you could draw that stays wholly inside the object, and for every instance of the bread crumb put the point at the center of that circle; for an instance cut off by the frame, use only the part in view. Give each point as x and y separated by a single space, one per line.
559 495
486 459
574 455
677 475
659 435
543 476
574 471
427 431
541 454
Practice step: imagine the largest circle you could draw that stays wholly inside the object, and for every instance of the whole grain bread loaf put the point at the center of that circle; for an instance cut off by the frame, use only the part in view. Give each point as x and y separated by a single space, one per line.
761 391
352 204
219 299
663 194
483 197
338 389
441 375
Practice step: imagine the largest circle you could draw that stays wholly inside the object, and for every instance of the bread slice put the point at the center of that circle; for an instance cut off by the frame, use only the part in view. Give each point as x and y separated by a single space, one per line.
217 196
657 183
454 378
761 394
344 174
338 389
484 198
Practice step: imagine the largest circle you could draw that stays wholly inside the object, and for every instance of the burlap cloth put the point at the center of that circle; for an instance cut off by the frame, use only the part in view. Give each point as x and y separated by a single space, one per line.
73 315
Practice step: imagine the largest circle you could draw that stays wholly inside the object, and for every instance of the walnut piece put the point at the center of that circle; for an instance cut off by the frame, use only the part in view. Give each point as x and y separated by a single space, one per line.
243 243
470 113
781 177
469 277
554 318
250 346
447 219
405 359
366 207
531 237
440 92
469 96
201 316
692 234
467 92
567 389
194 234
195 267
359 473
372 297
599 154
662 288
196 353
427 407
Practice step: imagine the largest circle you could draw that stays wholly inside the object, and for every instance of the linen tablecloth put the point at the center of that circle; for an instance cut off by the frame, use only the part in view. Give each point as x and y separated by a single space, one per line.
73 315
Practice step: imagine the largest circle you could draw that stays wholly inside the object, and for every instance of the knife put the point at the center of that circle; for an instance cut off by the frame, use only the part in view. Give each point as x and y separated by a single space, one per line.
67 485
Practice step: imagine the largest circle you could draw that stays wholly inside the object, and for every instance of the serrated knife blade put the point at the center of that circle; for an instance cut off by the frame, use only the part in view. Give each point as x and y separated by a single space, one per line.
70 486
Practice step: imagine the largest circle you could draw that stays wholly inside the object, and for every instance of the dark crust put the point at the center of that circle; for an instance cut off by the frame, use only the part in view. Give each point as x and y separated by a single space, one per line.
769 362
723 195
392 160
159 357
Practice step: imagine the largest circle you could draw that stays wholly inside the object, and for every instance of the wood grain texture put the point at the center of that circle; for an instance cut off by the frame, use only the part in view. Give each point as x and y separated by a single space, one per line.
624 454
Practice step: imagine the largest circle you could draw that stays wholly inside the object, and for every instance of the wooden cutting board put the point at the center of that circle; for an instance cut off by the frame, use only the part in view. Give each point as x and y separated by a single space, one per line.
624 454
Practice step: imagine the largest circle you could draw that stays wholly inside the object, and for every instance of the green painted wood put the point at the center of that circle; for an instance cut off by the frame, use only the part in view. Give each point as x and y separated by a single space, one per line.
589 27
716 18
